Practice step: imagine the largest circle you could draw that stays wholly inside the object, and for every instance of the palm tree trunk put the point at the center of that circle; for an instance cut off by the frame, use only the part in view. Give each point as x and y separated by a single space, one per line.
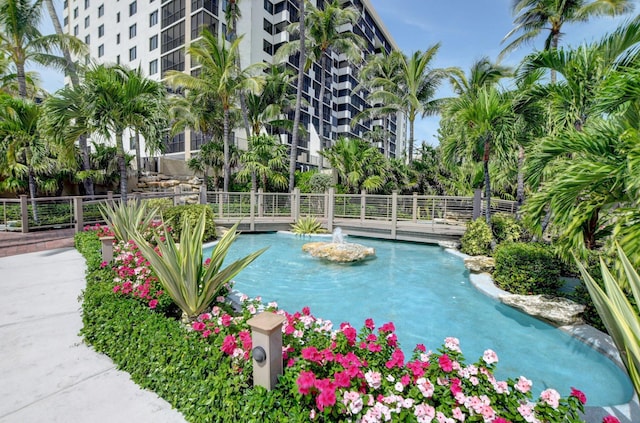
32 193
226 165
293 155
589 230
386 135
520 183
487 179
554 46
254 181
321 103
411 134
72 73
122 165
138 155
22 80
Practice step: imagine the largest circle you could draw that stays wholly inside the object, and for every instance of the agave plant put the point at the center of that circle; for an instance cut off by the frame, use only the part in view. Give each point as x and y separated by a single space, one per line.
125 219
620 317
307 225
181 270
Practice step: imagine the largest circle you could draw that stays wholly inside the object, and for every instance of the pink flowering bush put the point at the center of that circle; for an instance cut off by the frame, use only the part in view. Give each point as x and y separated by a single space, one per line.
100 230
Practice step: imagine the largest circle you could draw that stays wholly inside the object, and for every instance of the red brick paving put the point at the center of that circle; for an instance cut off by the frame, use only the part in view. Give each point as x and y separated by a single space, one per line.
13 243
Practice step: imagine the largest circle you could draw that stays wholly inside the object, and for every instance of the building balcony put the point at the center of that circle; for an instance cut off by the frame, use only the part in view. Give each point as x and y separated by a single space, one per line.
344 86
344 114
281 37
283 16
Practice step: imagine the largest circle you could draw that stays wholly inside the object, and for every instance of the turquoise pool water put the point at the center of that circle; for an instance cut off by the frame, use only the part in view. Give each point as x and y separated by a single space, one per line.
426 293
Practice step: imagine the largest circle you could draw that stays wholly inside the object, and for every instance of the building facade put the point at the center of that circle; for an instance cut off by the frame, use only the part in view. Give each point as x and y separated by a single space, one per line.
153 35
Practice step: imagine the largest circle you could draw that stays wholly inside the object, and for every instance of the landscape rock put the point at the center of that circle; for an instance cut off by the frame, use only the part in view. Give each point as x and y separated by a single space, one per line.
341 252
558 311
449 244
480 264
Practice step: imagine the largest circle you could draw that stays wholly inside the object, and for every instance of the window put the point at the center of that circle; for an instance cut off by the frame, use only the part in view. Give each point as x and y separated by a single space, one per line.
75 13
153 43
101 31
133 8
86 22
118 17
172 12
87 40
153 67
118 39
66 20
132 143
86 4
133 53
76 30
101 50
153 18
65 4
132 30
173 61
202 20
210 5
267 47
173 37
268 6
118 59
101 10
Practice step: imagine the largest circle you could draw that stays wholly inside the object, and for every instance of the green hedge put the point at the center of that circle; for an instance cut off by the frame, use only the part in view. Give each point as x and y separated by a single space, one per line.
174 216
476 240
527 268
181 367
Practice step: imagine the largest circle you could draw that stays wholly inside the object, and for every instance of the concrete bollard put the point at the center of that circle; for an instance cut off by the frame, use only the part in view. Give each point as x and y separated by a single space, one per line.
266 336
107 248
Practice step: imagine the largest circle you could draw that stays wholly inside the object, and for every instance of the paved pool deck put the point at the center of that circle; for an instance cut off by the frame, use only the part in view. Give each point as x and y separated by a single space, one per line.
47 374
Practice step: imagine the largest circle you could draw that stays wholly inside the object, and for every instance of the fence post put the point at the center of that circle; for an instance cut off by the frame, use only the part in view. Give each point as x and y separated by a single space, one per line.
363 205
260 202
220 204
176 191
477 204
330 210
414 212
203 194
252 211
394 213
295 204
77 213
110 197
24 214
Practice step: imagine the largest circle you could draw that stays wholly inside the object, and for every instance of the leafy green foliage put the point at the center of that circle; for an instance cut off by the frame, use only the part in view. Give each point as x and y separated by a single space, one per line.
505 228
620 316
127 218
191 283
527 268
177 216
161 204
476 240
308 225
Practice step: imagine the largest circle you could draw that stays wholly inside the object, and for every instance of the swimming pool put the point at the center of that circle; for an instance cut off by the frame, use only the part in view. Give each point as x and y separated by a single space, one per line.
426 293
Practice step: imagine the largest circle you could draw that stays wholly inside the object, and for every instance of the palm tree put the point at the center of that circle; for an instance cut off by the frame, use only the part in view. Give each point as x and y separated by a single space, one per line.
220 78
25 152
412 91
211 156
21 39
486 118
535 16
302 58
358 164
323 35
266 159
111 100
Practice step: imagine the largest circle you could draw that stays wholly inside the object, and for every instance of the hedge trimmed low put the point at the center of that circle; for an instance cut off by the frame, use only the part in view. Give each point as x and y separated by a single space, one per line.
527 268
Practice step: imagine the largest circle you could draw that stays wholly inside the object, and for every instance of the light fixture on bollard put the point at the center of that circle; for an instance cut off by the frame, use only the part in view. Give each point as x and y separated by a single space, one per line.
107 248
266 336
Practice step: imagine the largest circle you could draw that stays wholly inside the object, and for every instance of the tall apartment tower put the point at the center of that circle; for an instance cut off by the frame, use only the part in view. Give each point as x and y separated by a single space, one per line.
153 35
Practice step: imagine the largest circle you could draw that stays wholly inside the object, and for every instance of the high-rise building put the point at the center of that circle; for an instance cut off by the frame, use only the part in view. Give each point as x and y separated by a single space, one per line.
153 35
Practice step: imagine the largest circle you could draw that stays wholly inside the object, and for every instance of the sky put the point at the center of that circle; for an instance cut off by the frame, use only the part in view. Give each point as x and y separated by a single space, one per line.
467 30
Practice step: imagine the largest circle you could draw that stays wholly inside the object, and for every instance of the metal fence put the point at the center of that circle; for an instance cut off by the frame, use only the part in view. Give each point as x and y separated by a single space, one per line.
63 212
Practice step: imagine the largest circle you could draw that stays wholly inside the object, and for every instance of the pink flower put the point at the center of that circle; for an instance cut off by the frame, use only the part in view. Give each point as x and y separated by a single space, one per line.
578 394
551 397
397 359
387 327
610 419
350 333
421 348
226 320
206 333
103 264
374 379
490 357
305 382
327 396
500 420
426 387
153 304
523 385
116 289
424 412
342 380
369 324
392 340
452 344
228 345
198 326
306 311
445 363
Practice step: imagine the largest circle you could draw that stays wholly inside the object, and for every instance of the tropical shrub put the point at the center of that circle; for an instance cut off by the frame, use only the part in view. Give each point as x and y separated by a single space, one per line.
505 228
476 240
177 216
307 225
320 182
619 315
527 268
162 204
127 218
190 282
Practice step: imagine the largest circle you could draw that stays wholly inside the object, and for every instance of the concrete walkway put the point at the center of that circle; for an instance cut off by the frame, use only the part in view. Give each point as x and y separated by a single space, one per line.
46 373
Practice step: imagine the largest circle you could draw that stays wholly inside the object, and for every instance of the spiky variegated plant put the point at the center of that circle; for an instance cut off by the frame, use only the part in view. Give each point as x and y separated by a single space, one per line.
307 225
180 268
125 219
620 317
